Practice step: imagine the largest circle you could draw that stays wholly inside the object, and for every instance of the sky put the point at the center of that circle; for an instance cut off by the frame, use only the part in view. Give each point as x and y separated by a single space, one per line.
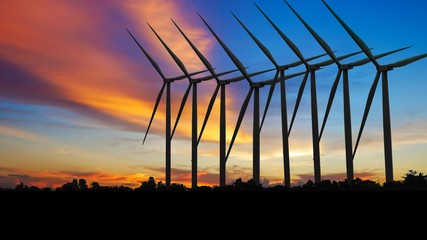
76 93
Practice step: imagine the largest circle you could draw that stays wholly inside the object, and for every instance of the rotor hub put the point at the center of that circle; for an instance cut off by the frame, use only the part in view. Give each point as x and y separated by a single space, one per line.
385 68
257 85
283 68
313 67
346 67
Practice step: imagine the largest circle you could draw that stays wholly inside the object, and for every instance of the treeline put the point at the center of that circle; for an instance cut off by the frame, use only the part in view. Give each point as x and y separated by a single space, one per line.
412 181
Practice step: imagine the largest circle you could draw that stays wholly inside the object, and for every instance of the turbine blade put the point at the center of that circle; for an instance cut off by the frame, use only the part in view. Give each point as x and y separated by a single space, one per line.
349 55
329 62
320 40
195 73
264 49
272 81
316 57
284 37
296 64
171 53
354 36
297 103
330 102
217 75
152 61
261 72
408 61
181 108
236 79
239 121
366 60
270 95
208 112
230 54
202 58
159 97
185 76
367 108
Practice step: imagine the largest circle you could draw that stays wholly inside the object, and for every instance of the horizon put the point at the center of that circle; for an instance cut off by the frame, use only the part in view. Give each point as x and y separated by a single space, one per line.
77 93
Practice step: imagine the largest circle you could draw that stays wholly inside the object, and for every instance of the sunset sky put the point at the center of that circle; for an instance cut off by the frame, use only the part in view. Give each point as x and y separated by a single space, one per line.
76 93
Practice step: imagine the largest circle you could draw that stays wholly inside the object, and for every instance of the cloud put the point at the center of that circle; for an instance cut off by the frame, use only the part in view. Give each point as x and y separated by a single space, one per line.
411 131
19 133
56 179
20 176
86 63
154 12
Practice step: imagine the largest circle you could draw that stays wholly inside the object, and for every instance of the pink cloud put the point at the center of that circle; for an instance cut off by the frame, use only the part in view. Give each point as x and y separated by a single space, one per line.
77 55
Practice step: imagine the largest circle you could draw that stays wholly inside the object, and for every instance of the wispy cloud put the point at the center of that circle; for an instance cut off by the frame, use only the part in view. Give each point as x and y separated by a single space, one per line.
19 133
58 178
80 64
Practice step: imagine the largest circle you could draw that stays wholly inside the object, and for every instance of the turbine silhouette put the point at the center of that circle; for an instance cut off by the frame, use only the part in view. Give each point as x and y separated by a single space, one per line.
310 70
192 84
166 84
280 70
382 70
254 89
220 85
346 93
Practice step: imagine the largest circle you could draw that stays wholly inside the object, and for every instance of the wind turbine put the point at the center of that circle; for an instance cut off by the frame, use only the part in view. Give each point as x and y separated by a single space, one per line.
382 70
280 69
254 89
192 84
220 85
166 84
310 70
342 68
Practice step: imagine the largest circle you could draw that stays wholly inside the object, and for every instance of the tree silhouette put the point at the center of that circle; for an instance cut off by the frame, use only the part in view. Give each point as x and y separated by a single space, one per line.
414 180
175 187
22 187
149 185
161 186
70 186
83 185
251 185
94 186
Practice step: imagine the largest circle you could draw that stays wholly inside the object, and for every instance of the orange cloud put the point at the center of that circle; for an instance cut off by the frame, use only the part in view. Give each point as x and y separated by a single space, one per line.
158 14
76 56
67 54
10 177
